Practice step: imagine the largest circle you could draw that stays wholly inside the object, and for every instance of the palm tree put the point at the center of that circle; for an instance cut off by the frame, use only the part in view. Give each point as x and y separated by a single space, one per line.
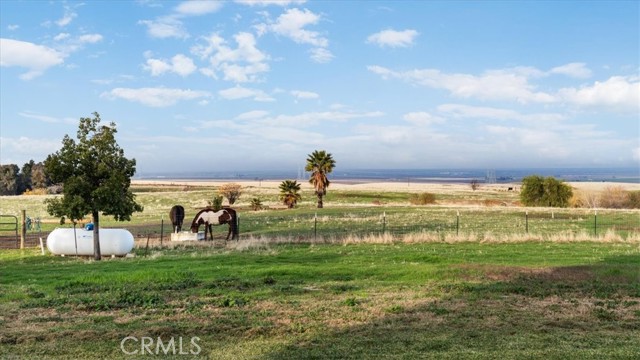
289 193
256 204
320 163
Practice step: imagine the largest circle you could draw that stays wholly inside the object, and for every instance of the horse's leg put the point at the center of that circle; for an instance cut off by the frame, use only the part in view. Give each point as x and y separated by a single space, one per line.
228 233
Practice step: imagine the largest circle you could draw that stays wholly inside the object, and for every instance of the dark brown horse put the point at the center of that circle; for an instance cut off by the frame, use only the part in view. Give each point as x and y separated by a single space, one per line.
177 217
208 218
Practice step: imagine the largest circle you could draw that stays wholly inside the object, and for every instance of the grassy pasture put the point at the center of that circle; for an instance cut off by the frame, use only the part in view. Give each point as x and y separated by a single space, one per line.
537 300
488 293
485 213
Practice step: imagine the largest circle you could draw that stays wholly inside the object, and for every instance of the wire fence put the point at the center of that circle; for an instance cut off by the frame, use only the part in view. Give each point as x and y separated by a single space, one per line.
338 224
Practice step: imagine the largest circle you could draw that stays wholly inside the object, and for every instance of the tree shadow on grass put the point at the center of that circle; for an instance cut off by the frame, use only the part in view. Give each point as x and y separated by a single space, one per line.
590 311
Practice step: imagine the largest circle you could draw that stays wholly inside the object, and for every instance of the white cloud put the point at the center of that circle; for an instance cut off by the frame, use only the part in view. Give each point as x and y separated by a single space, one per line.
171 26
393 38
618 93
13 27
462 111
247 73
90 38
422 118
24 148
636 154
491 85
313 118
321 55
255 114
155 97
66 19
61 36
165 27
34 57
292 24
198 7
179 64
40 117
299 94
270 2
575 70
466 111
245 63
237 92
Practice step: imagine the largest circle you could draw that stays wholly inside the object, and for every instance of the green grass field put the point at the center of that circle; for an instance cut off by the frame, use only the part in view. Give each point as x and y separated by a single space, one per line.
369 276
359 212
534 300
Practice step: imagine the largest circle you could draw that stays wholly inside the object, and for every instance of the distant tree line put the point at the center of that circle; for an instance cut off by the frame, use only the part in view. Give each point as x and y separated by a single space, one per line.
16 181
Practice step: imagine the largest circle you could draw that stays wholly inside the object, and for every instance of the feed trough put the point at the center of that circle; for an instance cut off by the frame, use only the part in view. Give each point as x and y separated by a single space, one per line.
187 236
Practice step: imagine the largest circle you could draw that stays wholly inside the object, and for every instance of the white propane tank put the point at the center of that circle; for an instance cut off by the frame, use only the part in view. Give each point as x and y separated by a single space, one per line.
118 242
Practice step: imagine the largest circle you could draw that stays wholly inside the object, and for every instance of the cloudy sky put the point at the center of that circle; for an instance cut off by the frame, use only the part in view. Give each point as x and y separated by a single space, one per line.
254 85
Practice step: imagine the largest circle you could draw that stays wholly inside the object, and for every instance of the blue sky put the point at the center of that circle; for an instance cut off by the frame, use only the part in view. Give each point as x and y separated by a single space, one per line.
258 85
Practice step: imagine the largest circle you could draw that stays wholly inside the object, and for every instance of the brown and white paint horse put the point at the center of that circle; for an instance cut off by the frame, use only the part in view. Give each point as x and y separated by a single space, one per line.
208 218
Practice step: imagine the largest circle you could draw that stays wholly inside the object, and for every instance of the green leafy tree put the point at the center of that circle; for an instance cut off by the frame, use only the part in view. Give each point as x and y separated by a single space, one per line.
26 175
290 193
320 163
9 179
39 178
539 191
96 177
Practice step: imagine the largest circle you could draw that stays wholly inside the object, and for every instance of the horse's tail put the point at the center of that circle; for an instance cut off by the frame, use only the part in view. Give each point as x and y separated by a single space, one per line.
233 223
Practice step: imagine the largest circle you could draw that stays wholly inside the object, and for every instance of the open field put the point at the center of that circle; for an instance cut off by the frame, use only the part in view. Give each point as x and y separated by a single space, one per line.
531 300
370 276
358 209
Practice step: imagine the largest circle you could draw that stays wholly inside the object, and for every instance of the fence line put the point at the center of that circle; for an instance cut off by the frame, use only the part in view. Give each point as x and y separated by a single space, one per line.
395 222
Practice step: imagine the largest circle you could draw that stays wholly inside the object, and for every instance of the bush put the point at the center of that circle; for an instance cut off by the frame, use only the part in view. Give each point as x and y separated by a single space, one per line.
256 204
216 203
422 199
539 191
613 197
231 191
633 200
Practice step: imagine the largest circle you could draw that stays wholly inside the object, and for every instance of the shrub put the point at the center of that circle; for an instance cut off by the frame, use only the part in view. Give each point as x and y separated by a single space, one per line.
633 200
216 203
231 191
539 191
613 197
585 199
256 204
422 199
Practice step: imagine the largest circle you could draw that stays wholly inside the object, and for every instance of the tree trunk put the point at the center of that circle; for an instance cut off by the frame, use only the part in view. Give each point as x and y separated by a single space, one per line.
96 236
319 200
